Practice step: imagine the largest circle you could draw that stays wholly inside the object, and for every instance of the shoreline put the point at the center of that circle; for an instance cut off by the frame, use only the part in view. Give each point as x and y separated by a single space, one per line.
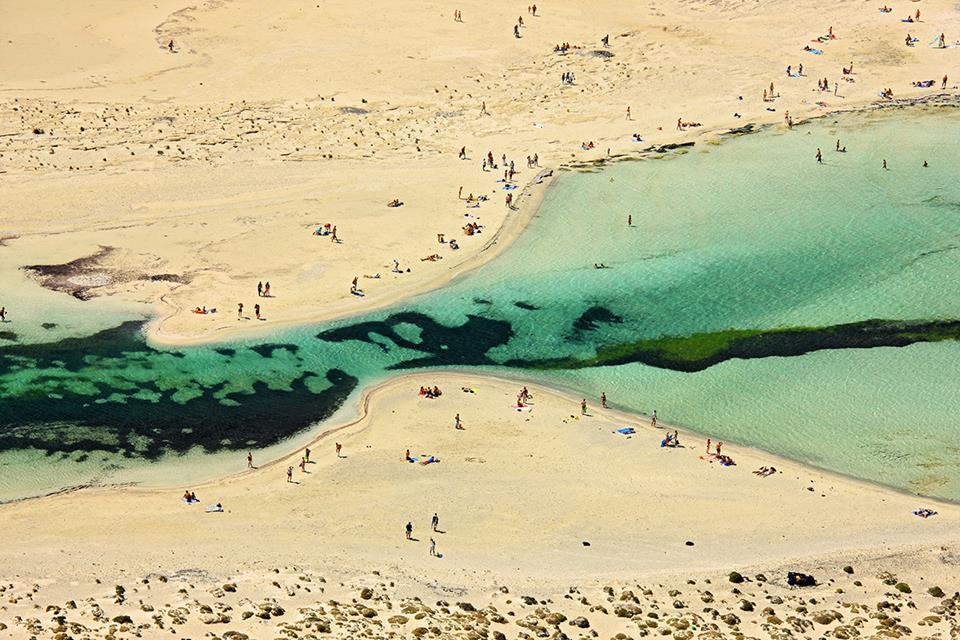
526 208
530 199
361 410
350 509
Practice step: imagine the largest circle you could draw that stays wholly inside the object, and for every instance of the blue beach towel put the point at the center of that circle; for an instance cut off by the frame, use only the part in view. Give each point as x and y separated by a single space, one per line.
626 431
816 52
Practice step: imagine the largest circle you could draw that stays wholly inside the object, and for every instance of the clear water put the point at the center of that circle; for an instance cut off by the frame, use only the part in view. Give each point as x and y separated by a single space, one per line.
751 234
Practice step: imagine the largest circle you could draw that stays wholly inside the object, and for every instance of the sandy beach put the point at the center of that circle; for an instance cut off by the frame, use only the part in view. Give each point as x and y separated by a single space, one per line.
168 157
540 499
203 180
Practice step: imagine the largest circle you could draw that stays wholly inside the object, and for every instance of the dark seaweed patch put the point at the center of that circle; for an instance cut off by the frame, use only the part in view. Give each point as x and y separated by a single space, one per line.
441 345
591 319
703 350
266 350
148 421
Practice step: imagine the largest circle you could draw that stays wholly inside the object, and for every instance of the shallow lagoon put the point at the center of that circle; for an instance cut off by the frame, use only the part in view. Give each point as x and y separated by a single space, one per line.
731 245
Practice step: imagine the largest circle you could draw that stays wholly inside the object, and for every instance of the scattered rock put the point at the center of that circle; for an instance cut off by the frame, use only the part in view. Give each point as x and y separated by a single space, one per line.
580 622
730 619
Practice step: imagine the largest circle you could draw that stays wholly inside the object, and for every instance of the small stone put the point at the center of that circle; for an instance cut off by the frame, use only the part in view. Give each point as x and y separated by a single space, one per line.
735 577
730 619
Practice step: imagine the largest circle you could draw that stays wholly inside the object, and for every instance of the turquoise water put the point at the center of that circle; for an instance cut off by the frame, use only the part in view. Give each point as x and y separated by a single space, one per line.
750 235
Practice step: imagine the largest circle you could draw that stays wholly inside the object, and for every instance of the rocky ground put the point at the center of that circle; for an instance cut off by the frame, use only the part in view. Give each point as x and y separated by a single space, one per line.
293 602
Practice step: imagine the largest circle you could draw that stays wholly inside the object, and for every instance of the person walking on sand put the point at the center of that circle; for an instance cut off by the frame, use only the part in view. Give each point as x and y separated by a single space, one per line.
943 85
885 164
409 530
819 156
303 465
653 419
583 407
250 460
339 448
433 547
260 289
434 522
603 400
256 310
289 474
333 235
266 290
628 113
719 446
3 314
306 454
708 446
483 108
170 46
239 310
456 422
